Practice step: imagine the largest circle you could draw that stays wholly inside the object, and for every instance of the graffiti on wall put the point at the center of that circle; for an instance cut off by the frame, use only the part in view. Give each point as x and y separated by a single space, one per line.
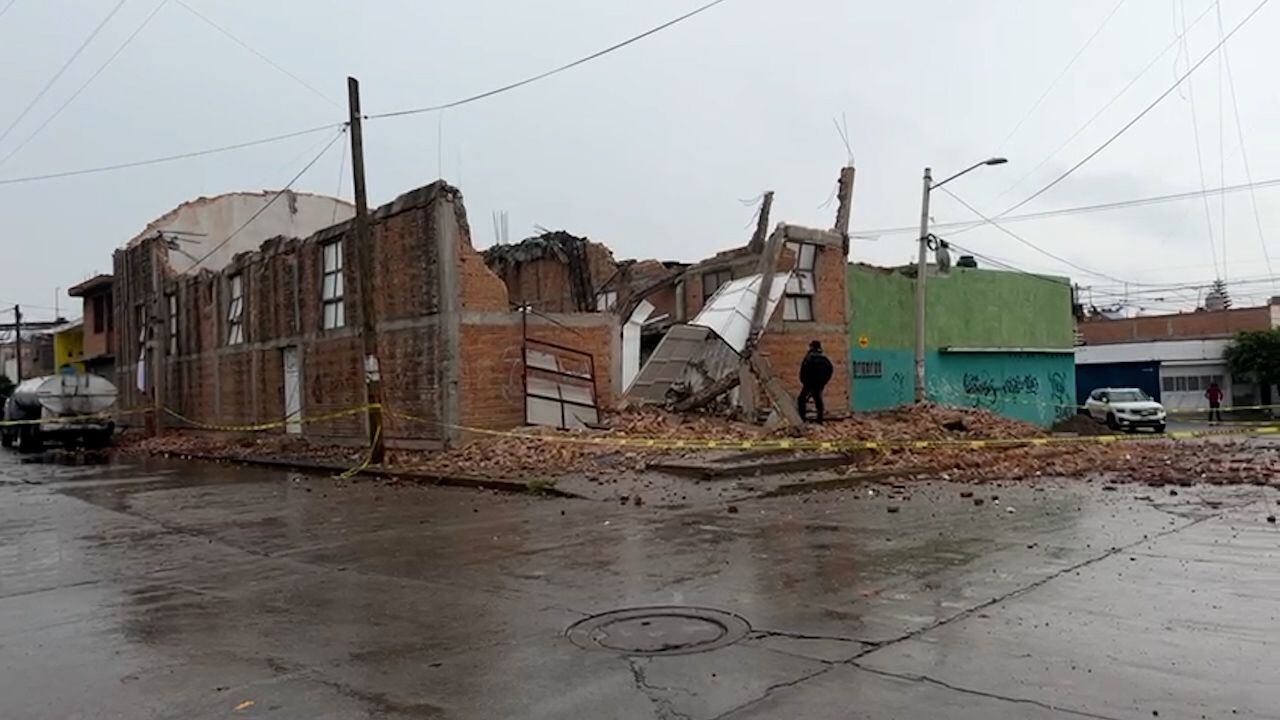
982 387
1063 401
900 387
996 392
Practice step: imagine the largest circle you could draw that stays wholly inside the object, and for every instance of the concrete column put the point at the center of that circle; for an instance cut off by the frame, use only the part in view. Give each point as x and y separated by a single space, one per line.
449 313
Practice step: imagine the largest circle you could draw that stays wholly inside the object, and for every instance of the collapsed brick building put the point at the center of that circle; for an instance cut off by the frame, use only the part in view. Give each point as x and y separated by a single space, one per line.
275 333
558 271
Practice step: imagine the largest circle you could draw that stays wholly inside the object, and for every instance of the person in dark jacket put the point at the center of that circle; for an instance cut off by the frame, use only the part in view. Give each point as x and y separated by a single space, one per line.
815 373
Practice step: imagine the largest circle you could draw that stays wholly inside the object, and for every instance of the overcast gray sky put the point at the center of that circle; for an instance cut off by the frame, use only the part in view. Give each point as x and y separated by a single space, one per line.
652 149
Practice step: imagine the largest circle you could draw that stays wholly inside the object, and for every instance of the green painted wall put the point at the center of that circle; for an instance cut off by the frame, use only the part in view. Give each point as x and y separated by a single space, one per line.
968 308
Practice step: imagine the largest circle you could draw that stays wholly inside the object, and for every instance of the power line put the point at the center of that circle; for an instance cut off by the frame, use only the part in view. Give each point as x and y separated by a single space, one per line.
549 73
1244 155
1222 143
1195 132
62 69
1067 68
1125 128
260 56
966 225
268 204
170 158
276 138
337 192
86 83
8 5
1025 241
1008 266
1107 106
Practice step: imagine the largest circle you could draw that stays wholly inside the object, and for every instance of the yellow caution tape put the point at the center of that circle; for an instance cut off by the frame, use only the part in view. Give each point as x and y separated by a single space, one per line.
274 424
70 419
368 458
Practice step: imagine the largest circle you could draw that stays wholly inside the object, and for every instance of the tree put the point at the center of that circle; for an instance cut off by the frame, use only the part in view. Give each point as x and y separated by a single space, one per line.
1255 354
6 387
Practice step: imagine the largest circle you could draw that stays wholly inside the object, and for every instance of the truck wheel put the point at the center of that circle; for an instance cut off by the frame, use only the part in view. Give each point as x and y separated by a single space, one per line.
6 439
1112 422
1160 428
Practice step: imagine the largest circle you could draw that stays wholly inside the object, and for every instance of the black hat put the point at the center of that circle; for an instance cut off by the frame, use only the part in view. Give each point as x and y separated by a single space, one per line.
815 345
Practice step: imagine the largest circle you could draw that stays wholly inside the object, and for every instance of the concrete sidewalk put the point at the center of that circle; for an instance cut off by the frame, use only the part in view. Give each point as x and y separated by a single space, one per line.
172 590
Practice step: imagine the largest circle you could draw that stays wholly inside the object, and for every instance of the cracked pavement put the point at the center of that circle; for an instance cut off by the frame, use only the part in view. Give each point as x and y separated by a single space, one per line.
160 589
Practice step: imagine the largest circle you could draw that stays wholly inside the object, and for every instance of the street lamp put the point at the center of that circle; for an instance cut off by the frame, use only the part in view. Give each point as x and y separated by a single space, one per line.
929 186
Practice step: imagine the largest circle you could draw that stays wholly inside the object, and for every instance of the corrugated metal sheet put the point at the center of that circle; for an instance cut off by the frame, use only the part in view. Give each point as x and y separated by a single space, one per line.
689 357
729 311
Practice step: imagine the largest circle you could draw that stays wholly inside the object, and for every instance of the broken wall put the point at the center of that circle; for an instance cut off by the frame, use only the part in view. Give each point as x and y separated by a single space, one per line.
445 331
554 272
196 370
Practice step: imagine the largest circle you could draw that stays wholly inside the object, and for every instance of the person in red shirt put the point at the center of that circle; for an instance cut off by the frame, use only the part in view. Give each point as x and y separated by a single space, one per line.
1214 393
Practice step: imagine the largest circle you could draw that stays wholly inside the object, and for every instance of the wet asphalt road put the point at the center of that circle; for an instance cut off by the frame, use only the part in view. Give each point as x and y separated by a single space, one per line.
191 590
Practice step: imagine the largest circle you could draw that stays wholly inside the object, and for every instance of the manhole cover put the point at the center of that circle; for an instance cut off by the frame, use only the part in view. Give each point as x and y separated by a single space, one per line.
659 630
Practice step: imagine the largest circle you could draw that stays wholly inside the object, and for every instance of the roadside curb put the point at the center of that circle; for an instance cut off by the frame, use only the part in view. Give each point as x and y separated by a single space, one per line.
874 476
426 478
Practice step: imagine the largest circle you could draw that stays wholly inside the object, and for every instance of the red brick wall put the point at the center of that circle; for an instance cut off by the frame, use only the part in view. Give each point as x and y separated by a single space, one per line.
481 289
784 343
214 383
1181 326
545 284
492 378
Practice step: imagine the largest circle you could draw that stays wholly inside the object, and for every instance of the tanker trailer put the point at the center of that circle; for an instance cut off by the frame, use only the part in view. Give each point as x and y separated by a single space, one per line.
69 408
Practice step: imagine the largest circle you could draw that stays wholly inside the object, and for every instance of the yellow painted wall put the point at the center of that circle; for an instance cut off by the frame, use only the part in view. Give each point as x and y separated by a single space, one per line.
68 349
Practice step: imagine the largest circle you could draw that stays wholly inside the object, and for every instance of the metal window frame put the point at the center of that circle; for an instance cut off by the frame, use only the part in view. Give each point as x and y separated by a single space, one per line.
590 381
802 276
868 368
338 299
606 300
723 276
235 309
173 323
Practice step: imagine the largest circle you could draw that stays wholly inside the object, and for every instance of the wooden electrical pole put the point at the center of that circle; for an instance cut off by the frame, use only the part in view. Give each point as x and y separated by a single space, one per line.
364 248
17 339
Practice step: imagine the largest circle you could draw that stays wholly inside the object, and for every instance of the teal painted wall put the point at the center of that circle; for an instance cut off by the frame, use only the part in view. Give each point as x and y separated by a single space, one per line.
1035 387
968 308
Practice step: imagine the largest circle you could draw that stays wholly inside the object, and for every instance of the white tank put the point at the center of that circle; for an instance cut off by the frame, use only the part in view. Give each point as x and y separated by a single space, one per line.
67 394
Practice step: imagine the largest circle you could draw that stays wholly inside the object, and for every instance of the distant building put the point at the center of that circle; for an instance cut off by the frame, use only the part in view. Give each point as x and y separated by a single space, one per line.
37 354
994 339
68 348
1173 357
97 325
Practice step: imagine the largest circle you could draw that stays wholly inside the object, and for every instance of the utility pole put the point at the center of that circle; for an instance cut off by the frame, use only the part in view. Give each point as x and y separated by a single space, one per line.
364 240
17 339
922 268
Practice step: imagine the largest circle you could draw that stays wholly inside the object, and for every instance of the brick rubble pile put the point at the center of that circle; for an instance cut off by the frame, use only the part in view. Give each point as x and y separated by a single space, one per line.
531 453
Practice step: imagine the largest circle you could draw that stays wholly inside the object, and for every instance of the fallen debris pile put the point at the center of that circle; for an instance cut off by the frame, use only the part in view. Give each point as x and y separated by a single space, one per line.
1155 462
1080 425
925 422
543 453
187 444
